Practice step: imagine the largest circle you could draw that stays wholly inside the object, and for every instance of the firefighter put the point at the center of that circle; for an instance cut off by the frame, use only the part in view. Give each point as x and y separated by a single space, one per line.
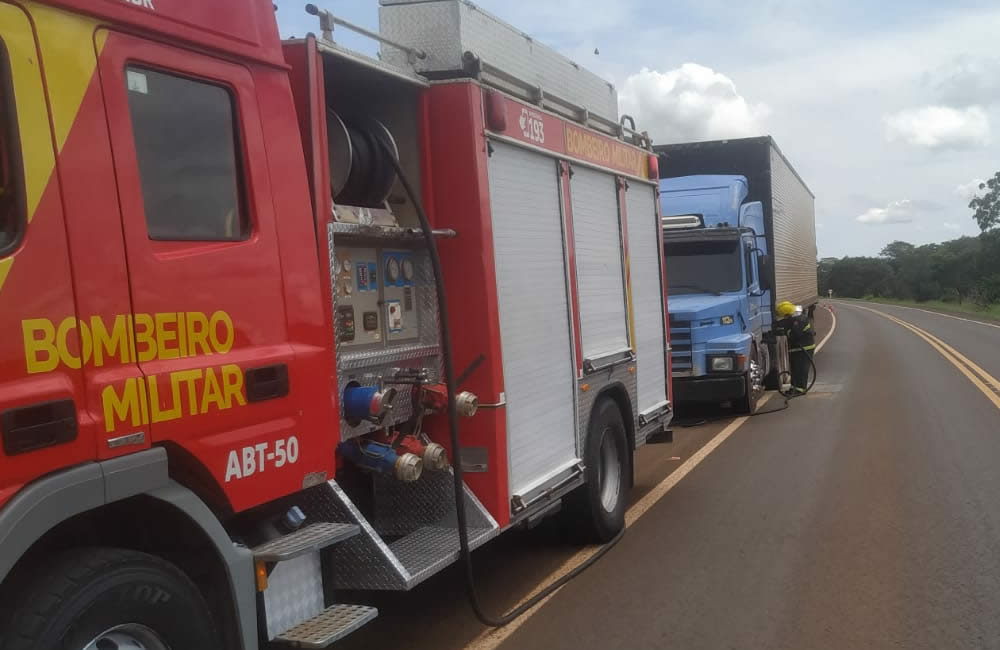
801 343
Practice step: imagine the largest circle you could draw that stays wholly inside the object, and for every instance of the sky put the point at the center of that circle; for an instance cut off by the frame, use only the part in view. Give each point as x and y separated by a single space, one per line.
889 111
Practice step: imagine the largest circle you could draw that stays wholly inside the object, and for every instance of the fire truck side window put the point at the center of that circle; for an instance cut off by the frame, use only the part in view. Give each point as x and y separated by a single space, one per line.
186 146
12 207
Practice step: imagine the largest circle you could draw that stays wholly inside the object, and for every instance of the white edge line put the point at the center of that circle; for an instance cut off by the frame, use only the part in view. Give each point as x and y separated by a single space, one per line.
493 637
927 311
833 327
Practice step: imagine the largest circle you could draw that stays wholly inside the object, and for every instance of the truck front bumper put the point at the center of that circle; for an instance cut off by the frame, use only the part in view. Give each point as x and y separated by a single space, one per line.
715 388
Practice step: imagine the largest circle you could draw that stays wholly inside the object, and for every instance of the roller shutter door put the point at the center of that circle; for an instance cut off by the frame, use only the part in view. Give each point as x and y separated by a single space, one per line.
647 295
535 329
598 263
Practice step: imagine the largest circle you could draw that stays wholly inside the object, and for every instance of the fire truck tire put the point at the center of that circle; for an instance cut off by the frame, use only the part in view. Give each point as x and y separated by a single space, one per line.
105 599
598 508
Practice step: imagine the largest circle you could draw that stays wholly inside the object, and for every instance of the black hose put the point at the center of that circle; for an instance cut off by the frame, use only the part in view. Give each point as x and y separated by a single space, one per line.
789 396
793 395
465 552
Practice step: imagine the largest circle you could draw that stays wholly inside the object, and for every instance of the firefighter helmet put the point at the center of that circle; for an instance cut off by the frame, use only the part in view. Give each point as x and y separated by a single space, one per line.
785 309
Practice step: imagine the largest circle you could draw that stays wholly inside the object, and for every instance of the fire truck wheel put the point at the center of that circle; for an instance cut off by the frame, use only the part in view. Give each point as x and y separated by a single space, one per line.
108 599
599 510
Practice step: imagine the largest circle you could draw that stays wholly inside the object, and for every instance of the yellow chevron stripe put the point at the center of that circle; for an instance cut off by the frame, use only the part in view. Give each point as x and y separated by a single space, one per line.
68 50
5 265
29 97
68 54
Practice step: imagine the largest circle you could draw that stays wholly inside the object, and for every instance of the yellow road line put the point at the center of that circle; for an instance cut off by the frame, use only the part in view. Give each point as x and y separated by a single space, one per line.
938 313
987 384
493 637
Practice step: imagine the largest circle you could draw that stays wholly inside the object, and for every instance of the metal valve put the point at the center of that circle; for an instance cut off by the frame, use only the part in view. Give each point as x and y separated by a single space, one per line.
435 396
408 467
382 458
466 404
367 402
435 457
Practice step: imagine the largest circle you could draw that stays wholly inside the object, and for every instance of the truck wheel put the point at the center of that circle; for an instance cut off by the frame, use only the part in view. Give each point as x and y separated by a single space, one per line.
598 508
753 380
108 599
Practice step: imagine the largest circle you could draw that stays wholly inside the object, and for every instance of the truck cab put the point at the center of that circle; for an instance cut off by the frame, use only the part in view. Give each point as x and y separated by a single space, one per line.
715 252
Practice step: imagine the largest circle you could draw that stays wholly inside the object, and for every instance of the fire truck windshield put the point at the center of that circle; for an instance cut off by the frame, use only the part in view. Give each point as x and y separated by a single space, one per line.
703 267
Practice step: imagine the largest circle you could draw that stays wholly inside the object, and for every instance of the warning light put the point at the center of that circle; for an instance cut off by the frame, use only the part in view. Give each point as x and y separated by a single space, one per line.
654 167
496 111
261 574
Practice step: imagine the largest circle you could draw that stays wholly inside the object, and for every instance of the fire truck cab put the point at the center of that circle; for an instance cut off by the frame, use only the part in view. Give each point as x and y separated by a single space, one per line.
222 386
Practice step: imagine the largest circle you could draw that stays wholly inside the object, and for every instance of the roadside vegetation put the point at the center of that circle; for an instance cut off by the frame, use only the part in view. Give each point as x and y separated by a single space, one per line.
958 275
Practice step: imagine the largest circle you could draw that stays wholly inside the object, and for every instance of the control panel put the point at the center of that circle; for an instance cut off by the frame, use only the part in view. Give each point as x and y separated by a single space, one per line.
398 281
376 295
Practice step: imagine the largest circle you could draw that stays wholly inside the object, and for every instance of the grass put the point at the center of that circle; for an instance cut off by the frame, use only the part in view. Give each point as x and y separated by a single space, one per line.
966 308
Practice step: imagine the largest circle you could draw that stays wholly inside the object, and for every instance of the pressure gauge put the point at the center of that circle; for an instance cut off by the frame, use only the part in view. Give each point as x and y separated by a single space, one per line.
392 270
347 265
408 270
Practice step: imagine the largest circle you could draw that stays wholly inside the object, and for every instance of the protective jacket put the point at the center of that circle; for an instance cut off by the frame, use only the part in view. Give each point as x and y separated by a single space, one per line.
801 335
801 346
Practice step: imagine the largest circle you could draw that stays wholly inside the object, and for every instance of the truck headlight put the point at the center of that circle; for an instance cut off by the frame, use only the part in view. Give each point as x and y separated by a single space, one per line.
727 320
722 364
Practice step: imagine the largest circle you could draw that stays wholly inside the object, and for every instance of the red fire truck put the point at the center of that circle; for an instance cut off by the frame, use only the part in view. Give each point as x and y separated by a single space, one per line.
226 264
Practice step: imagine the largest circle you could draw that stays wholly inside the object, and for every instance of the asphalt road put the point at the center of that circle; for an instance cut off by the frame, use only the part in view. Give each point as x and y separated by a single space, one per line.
864 516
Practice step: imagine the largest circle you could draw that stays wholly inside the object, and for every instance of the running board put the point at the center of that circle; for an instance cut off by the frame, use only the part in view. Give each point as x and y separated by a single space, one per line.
412 534
307 539
329 626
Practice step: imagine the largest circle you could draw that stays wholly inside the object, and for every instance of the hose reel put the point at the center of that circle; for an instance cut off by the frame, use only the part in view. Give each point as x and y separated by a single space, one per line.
361 173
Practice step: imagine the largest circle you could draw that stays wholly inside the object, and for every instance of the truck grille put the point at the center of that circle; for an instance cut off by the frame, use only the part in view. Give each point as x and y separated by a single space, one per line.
680 344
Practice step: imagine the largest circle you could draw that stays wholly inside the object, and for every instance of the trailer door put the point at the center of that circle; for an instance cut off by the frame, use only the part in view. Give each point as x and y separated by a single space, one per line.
649 336
535 331
597 232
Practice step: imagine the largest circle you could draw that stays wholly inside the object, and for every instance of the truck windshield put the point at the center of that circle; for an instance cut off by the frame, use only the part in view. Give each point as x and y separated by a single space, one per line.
703 267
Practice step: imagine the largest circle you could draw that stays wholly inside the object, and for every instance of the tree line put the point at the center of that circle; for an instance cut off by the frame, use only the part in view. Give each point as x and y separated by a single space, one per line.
966 269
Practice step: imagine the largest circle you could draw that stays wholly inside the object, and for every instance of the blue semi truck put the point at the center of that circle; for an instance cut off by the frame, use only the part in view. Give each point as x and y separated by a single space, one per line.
739 236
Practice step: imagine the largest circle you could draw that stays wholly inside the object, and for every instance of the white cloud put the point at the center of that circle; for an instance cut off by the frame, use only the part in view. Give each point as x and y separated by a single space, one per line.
691 102
951 226
895 212
939 127
968 190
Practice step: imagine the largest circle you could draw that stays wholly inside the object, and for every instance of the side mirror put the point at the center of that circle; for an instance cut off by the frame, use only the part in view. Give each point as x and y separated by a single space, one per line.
764 271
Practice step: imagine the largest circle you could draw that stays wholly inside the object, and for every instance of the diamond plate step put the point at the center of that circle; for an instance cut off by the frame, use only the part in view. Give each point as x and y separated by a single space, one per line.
330 625
427 550
305 540
409 533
